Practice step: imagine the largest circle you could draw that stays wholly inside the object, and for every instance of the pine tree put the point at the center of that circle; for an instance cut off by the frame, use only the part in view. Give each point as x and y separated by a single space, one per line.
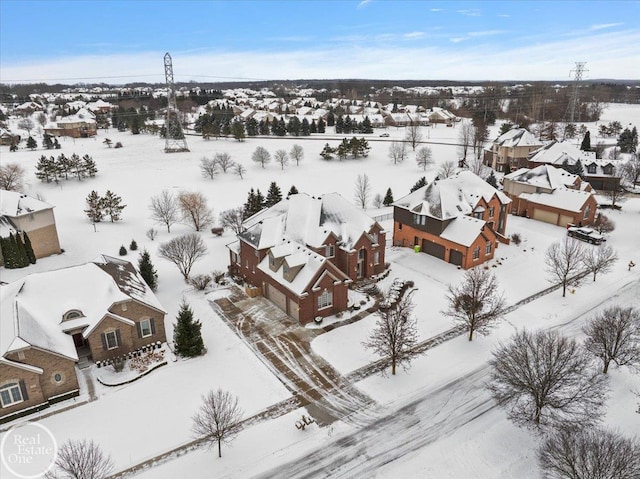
122 251
94 207
366 127
260 200
339 125
21 259
44 169
331 119
492 180
321 125
89 166
31 143
133 245
47 142
388 198
419 184
112 205
292 191
56 145
313 128
306 128
187 337
252 127
274 195
63 165
249 205
147 270
586 142
8 252
29 248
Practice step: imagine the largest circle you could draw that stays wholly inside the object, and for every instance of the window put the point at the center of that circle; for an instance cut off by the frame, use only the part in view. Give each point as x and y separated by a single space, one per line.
591 169
374 238
416 219
376 257
272 261
72 314
21 355
10 394
112 340
476 252
587 212
487 249
330 251
492 212
325 300
58 378
478 214
399 226
145 328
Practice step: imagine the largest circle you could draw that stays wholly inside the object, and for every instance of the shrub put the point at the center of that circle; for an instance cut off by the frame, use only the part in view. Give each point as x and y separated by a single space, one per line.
515 237
200 281
133 246
123 251
152 233
118 145
118 364
218 277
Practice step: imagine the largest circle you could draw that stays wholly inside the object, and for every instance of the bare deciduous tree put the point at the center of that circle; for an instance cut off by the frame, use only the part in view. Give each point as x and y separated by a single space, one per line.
297 154
395 333
413 134
81 460
616 194
589 454
194 209
564 260
218 418
224 161
465 138
183 251
631 169
282 158
599 259
476 304
603 224
165 209
261 155
208 167
26 124
377 200
447 169
42 118
239 170
424 157
232 219
614 335
545 379
397 152
363 190
12 177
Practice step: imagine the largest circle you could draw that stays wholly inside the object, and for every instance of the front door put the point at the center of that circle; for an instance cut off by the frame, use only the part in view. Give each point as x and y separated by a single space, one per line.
362 257
78 340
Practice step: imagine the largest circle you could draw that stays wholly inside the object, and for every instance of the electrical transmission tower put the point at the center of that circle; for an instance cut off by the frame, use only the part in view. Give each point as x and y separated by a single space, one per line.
174 136
575 94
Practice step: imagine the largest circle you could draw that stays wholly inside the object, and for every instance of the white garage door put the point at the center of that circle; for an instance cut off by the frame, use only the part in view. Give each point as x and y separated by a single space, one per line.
293 310
564 220
277 298
546 216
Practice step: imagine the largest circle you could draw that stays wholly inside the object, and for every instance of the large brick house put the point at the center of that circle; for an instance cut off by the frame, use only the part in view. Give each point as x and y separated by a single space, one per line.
303 252
550 194
80 125
459 219
599 173
24 214
102 308
511 148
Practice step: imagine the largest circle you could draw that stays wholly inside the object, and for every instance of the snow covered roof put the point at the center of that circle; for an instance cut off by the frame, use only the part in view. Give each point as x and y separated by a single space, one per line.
556 153
517 137
6 227
309 221
33 308
14 204
562 198
463 230
544 176
451 197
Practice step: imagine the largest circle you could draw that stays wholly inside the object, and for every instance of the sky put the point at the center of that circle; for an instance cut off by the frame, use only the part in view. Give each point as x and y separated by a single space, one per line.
118 42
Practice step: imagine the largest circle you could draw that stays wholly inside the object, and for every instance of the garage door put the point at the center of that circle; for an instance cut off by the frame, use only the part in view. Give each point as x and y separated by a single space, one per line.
455 257
293 310
433 249
546 216
277 298
564 220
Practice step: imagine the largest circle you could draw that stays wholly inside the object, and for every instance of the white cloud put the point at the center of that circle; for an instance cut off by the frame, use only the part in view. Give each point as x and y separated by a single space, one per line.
458 39
471 12
602 26
504 15
364 3
437 10
413 35
486 33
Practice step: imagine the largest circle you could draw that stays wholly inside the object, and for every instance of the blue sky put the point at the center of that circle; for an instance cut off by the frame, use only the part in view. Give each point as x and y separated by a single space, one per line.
118 42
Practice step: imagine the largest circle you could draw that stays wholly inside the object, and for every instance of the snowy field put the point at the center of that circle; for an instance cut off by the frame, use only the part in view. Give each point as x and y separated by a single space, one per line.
150 416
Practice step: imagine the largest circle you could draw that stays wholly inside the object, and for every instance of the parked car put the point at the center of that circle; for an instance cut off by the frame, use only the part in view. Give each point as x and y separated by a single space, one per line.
585 234
384 135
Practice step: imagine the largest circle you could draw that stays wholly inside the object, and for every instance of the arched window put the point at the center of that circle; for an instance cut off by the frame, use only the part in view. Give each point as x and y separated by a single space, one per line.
72 314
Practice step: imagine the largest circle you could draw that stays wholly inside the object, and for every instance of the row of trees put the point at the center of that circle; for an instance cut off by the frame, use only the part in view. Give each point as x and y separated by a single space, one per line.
100 206
354 148
262 156
347 126
189 207
212 125
61 168
17 251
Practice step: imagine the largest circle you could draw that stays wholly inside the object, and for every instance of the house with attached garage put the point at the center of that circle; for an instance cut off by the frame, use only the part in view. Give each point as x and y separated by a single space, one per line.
303 252
550 194
510 150
460 219
99 310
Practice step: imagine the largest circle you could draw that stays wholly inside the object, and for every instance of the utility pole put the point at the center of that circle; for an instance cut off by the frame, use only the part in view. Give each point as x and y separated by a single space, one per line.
575 96
175 141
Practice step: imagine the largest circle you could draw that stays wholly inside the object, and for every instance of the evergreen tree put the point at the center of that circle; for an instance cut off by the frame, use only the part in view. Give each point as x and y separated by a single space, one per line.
76 165
292 191
237 130
252 127
260 200
47 142
347 126
419 184
628 140
313 128
327 152
321 125
29 248
94 207
8 252
294 126
247 209
56 145
22 259
388 198
123 251
306 128
263 127
89 166
331 120
133 245
366 127
45 168
187 337
281 128
492 180
112 205
147 270
577 169
31 143
63 165
339 125
274 195
586 142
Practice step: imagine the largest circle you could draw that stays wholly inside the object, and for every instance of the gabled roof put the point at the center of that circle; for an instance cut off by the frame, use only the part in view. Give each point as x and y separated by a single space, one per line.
14 204
451 197
544 176
561 198
32 309
463 230
556 153
517 137
309 221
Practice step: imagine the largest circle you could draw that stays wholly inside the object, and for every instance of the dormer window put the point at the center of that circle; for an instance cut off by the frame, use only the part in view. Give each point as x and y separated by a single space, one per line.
72 314
591 169
330 251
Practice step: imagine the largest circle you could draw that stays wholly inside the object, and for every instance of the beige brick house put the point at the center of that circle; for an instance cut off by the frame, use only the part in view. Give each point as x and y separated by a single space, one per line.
102 309
511 148
22 213
303 253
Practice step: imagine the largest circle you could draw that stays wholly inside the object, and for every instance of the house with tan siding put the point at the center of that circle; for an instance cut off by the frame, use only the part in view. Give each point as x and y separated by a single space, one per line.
303 252
460 220
512 148
102 309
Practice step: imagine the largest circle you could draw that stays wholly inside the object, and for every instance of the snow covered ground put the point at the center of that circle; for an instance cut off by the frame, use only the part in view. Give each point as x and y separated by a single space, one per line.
152 415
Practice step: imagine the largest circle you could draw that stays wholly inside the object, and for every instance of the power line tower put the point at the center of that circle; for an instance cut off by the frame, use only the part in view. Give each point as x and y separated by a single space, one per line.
575 94
174 136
